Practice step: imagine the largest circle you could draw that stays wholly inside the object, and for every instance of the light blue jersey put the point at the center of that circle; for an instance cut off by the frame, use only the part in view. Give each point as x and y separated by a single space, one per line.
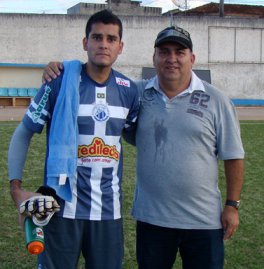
104 110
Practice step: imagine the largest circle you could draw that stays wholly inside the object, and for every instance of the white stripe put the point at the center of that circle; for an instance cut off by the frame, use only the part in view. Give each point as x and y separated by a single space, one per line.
85 110
116 196
96 194
40 121
70 207
43 111
99 127
118 112
100 95
115 112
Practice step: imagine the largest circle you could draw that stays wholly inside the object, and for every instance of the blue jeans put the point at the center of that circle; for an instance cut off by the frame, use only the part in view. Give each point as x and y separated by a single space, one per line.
157 247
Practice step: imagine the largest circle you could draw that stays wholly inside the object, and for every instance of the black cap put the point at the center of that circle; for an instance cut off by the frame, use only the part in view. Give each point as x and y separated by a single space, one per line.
174 34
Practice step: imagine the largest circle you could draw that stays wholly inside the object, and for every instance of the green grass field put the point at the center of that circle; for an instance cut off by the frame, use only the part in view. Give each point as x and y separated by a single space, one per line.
244 251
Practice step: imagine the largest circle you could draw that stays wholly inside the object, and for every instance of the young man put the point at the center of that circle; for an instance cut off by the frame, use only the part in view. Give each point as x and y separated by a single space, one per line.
184 127
85 109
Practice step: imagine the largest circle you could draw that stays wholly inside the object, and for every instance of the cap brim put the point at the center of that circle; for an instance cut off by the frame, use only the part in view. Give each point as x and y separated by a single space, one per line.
173 39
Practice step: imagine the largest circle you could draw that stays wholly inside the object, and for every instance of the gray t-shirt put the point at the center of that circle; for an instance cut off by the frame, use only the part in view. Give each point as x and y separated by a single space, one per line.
179 142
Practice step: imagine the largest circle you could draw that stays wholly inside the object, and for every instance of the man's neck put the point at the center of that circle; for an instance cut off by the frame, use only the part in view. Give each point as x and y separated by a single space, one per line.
174 88
98 73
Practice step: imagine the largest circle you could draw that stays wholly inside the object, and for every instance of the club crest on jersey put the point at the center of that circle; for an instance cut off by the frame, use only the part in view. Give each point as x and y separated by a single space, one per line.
123 82
100 112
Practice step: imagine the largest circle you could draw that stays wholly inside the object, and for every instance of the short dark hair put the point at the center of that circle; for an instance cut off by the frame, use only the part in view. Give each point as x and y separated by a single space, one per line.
105 17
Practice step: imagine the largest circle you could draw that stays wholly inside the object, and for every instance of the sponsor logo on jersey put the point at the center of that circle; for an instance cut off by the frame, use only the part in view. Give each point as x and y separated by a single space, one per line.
98 148
100 112
43 101
123 82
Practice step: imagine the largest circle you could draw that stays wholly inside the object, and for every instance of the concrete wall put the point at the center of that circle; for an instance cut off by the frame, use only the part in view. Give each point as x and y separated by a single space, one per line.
119 8
232 48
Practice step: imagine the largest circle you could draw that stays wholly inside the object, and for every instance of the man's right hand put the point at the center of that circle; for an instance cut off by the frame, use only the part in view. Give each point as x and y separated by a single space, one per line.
19 195
41 208
51 71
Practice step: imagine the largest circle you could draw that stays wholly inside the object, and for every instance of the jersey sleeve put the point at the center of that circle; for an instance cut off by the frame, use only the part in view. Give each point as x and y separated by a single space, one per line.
129 133
134 108
40 110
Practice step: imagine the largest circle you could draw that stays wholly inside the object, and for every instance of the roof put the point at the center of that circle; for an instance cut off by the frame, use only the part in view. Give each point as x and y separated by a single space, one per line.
234 10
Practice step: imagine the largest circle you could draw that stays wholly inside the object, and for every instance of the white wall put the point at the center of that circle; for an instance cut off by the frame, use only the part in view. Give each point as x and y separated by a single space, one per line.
232 48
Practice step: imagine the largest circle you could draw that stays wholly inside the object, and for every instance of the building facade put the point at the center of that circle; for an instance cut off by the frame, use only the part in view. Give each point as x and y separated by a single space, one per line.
119 7
232 49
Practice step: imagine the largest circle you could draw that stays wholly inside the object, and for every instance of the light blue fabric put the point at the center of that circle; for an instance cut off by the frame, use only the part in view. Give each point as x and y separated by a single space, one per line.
62 158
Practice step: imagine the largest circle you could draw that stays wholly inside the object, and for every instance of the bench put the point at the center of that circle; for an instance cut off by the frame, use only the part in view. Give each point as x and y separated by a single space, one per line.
16 96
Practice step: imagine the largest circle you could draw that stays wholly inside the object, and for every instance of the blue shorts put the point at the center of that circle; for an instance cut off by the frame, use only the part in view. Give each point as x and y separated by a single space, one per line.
157 247
100 243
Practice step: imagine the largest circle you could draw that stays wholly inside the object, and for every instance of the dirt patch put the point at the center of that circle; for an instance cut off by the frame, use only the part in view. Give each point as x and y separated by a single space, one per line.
244 113
250 113
11 113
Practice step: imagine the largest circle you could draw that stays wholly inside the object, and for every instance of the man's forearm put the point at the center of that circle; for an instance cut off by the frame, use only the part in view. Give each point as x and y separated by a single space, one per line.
234 172
17 153
18 194
16 191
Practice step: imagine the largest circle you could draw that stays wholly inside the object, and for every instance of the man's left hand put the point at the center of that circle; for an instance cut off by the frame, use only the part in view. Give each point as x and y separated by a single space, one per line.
230 221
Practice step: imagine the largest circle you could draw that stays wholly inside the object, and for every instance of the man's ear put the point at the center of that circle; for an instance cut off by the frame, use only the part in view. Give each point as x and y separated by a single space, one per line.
153 58
121 46
193 58
85 43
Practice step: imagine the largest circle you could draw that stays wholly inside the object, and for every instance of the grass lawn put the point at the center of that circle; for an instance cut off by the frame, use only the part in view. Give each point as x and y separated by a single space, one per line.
244 251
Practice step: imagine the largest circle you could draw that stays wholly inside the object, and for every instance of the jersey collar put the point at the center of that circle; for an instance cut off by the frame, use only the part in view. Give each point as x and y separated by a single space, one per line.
195 85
